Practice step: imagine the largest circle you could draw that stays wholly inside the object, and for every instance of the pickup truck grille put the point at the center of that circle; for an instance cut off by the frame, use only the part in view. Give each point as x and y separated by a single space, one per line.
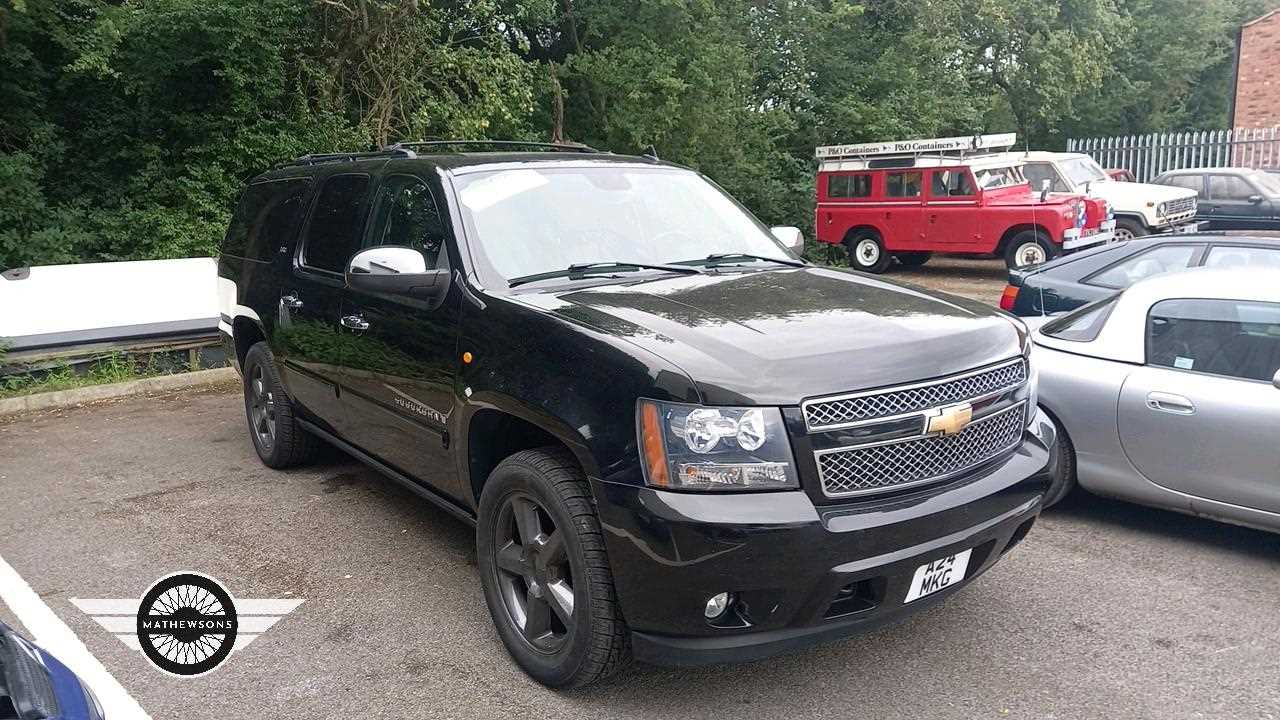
860 408
1183 205
877 467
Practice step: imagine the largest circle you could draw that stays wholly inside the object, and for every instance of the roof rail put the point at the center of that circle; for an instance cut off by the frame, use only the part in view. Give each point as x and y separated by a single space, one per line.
439 145
934 146
318 158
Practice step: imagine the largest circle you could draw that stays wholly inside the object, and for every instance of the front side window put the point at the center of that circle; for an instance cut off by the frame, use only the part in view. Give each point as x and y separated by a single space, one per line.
406 215
1083 324
848 186
1144 265
1038 172
952 183
1230 187
333 235
1226 256
525 221
1232 338
903 184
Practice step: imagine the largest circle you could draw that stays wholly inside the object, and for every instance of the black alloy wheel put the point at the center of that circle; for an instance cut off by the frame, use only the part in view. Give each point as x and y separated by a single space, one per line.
277 434
262 408
534 575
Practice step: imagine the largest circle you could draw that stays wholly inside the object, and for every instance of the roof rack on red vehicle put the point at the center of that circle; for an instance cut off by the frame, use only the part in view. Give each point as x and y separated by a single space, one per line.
950 146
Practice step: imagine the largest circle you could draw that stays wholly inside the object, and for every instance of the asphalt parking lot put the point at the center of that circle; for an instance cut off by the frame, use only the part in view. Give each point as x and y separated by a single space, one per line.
1106 611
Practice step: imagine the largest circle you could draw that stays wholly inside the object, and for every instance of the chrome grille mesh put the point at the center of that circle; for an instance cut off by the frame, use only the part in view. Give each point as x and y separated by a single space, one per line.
1182 205
904 463
844 411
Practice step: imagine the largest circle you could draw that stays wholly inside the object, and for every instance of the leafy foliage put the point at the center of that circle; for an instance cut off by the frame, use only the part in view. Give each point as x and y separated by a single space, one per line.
128 128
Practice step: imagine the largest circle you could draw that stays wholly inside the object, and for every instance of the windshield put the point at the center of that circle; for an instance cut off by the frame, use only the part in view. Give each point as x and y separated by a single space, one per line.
528 221
1082 170
990 178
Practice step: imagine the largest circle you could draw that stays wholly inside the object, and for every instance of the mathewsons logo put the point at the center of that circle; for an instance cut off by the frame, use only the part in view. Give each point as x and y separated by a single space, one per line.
187 623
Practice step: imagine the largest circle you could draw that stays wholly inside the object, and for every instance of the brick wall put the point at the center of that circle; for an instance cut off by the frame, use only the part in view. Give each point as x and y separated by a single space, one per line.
1257 82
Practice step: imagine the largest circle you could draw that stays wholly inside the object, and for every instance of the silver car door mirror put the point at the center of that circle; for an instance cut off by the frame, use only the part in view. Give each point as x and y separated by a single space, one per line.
1276 380
791 237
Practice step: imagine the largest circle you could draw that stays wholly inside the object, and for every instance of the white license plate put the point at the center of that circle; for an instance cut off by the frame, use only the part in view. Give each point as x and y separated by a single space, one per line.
937 575
1187 229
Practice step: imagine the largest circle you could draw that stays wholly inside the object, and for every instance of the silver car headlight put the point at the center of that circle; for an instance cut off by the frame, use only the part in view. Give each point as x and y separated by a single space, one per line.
694 447
1163 209
1033 381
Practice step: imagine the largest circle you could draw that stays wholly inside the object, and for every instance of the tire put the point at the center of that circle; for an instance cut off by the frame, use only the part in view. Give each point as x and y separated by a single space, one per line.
1064 477
866 252
1128 229
277 435
594 642
915 259
1027 248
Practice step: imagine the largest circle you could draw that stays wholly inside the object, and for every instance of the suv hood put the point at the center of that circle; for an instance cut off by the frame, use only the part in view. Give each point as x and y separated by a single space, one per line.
1133 197
777 337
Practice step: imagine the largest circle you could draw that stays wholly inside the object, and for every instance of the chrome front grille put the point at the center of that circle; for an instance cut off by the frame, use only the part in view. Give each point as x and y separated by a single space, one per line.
897 464
845 411
1181 205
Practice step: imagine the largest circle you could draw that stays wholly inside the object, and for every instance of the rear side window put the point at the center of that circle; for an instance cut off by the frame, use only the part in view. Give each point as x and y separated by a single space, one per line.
951 183
1233 338
1190 182
1225 256
848 186
266 220
1144 265
903 184
333 235
1084 324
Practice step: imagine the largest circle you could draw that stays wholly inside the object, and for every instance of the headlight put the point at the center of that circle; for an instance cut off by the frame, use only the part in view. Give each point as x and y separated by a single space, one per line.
1033 381
691 447
1163 208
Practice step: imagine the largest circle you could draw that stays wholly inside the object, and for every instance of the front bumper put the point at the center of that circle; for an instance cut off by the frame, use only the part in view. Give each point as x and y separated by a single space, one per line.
1075 238
803 573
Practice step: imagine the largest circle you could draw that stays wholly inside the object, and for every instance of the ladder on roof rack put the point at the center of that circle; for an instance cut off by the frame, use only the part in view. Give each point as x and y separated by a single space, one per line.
933 146
439 145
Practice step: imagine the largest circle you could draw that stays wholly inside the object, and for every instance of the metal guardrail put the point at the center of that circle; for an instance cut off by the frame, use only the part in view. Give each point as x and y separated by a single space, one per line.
1146 156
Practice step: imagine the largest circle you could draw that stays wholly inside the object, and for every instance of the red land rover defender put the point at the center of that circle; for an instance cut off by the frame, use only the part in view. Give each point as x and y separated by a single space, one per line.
951 195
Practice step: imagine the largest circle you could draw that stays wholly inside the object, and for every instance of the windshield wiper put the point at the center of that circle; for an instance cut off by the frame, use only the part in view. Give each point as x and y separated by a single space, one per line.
581 270
728 258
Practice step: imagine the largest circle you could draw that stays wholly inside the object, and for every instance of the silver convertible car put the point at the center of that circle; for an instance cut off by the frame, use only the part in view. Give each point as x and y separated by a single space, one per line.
1168 394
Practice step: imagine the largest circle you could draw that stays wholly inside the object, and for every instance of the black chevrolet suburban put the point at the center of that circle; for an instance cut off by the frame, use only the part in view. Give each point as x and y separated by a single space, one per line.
676 441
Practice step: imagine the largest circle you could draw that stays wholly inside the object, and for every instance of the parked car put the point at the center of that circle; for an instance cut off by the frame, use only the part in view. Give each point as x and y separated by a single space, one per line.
907 200
1139 208
34 685
1231 198
676 440
1069 282
1168 394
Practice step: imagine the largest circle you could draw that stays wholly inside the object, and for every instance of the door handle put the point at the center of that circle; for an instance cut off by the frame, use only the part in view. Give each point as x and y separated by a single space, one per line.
1170 403
354 322
291 302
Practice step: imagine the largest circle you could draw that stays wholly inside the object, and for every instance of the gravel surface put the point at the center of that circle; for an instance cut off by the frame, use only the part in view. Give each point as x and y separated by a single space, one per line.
1107 610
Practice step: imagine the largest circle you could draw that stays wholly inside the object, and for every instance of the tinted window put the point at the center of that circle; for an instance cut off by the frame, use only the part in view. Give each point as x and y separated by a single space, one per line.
1144 265
1084 324
951 183
1235 338
1229 187
333 234
407 215
906 184
1038 172
1233 257
265 220
1190 182
848 186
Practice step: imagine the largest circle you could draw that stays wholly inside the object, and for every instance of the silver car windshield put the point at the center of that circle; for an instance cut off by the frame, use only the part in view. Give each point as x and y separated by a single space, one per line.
527 221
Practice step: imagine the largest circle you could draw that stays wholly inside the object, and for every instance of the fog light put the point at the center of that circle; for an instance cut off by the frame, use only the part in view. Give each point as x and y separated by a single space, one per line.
716 606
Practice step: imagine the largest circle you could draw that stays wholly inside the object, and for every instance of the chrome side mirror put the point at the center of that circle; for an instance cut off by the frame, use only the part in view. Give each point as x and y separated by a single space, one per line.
396 270
791 237
1256 199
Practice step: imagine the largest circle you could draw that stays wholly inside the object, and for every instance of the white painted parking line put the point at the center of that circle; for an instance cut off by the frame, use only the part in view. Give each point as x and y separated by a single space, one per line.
50 633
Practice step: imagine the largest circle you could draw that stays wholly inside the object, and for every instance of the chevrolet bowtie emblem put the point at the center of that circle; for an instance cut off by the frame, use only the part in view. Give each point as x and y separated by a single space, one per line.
948 420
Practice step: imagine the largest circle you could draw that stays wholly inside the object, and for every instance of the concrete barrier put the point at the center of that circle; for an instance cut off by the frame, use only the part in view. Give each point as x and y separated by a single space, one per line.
79 396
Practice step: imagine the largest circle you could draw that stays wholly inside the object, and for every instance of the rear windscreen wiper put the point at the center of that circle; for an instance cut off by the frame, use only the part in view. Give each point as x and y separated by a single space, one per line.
726 258
582 270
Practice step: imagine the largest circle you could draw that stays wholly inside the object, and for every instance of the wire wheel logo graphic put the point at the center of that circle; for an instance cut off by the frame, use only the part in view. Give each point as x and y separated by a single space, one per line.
187 624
